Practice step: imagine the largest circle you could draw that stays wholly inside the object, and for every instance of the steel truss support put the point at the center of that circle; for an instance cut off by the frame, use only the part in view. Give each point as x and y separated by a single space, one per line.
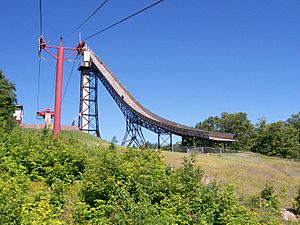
165 140
134 120
133 134
88 120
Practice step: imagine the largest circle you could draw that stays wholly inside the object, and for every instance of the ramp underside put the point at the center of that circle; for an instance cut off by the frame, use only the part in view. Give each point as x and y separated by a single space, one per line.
131 108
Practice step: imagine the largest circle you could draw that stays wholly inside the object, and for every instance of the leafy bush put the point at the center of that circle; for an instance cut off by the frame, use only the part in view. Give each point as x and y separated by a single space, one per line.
37 207
136 187
266 205
12 197
29 159
43 158
44 181
270 199
297 202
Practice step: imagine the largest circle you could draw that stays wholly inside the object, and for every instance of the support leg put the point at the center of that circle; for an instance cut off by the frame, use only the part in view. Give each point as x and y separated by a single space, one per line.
158 141
133 134
171 142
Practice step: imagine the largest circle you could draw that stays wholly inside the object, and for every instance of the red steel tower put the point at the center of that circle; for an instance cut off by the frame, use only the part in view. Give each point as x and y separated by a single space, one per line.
60 58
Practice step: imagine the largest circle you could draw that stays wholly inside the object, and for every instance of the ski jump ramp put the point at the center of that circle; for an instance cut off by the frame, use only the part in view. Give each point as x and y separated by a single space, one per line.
136 115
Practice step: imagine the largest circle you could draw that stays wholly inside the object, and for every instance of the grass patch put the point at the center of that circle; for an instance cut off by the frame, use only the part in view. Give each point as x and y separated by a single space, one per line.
249 172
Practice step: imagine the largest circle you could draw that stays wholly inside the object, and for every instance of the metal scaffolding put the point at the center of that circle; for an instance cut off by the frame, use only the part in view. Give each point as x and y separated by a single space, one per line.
88 120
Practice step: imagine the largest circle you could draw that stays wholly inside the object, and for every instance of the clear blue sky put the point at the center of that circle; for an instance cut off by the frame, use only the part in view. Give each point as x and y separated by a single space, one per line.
185 60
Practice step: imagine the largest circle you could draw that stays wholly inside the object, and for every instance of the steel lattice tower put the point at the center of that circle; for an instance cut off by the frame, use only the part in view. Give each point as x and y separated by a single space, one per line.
88 120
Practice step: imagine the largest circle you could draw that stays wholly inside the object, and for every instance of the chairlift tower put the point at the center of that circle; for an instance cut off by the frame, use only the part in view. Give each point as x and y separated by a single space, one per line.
47 115
60 58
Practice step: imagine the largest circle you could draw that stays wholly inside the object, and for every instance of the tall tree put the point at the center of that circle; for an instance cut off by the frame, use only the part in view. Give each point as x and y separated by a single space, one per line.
277 139
294 121
212 123
7 102
241 127
236 123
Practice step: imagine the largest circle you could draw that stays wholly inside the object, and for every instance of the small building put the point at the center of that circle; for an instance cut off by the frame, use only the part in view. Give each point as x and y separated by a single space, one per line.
18 114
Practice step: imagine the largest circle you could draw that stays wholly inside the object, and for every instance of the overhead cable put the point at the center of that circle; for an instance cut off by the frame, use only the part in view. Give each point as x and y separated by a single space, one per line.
89 17
123 20
41 18
40 57
69 78
52 90
38 86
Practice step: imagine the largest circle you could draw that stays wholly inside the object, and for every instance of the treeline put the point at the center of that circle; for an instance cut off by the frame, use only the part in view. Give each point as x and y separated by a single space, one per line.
280 138
7 103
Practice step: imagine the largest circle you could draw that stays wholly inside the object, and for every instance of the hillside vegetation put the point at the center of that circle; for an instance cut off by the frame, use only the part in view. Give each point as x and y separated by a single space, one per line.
44 181
81 180
249 172
281 138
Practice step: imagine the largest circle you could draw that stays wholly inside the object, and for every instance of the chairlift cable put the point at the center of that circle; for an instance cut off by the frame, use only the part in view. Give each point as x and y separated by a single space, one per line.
52 90
40 57
41 18
69 78
38 85
89 17
123 20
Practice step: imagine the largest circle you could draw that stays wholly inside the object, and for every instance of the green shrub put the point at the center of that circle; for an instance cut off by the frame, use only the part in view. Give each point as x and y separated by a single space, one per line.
297 201
266 205
269 198
12 197
37 207
67 182
136 187
42 157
